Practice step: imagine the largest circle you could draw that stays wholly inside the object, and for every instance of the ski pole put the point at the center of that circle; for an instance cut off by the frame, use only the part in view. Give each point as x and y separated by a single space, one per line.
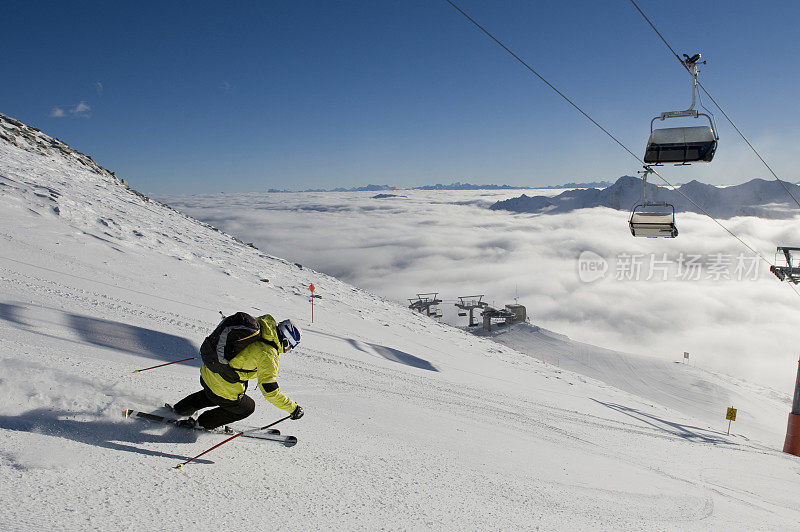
180 466
162 365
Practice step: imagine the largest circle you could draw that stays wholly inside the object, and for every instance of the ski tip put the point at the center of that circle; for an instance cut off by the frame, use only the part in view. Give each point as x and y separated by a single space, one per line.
290 441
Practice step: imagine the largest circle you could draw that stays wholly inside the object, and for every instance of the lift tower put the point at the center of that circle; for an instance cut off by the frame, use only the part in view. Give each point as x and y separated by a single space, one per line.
427 303
469 304
791 272
792 443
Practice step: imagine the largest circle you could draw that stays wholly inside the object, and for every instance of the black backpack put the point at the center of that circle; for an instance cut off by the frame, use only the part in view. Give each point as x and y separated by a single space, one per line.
231 336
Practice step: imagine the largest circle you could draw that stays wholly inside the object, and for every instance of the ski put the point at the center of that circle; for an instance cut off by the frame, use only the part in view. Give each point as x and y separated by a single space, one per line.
233 427
247 432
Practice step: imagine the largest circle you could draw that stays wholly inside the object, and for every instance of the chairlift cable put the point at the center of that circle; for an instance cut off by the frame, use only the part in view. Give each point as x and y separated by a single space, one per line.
728 118
604 130
745 244
793 287
526 65
671 49
699 99
730 121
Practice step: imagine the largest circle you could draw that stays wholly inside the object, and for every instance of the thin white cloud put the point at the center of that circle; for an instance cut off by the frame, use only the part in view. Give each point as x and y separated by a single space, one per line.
450 243
79 110
82 109
98 87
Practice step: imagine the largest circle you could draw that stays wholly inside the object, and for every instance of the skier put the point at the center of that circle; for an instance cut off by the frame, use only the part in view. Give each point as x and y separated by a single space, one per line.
260 358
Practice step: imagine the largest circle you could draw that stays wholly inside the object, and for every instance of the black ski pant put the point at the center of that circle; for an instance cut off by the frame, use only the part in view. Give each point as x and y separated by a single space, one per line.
227 411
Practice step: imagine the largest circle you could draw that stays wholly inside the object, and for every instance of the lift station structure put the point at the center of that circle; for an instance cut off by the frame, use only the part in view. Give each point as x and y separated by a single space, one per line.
490 314
514 313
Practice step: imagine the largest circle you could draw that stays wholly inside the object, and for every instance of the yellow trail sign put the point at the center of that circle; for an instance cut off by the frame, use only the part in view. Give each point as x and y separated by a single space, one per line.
731 414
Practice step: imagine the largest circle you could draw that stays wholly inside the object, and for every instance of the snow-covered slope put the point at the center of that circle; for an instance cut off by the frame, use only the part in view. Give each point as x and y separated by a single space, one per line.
676 384
409 424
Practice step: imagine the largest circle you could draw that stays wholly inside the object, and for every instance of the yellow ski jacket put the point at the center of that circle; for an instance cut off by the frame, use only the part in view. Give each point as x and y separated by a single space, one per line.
259 359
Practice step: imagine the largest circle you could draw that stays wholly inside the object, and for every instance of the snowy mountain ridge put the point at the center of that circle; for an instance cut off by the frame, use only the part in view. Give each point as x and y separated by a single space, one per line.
33 140
764 199
409 424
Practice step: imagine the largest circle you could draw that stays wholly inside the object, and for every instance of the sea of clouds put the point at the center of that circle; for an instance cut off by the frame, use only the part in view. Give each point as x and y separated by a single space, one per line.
580 274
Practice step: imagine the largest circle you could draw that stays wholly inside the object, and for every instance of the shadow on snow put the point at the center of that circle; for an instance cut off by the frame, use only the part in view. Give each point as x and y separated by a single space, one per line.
395 355
687 432
104 333
118 436
389 353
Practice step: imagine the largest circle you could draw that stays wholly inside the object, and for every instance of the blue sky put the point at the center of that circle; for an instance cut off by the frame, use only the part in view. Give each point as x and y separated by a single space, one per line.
245 96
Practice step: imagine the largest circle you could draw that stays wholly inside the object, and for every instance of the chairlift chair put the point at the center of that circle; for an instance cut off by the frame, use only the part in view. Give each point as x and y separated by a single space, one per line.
649 224
683 145
652 219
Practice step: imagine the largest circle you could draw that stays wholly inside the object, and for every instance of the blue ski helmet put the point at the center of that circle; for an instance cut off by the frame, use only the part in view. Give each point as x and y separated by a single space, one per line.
288 334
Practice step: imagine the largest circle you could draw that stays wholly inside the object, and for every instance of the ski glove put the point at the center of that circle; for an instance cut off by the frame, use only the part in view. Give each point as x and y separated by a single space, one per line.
298 412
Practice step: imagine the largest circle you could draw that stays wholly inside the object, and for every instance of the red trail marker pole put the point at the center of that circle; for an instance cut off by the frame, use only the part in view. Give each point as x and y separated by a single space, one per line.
312 288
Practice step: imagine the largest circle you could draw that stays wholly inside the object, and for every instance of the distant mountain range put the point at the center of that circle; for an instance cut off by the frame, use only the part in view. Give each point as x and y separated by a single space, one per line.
368 188
764 199
592 184
467 186
385 188
452 186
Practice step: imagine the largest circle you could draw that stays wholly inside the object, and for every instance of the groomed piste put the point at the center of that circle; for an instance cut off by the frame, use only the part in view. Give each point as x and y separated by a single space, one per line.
409 423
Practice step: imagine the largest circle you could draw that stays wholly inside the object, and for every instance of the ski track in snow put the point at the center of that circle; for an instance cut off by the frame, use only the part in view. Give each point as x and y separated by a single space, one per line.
410 424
